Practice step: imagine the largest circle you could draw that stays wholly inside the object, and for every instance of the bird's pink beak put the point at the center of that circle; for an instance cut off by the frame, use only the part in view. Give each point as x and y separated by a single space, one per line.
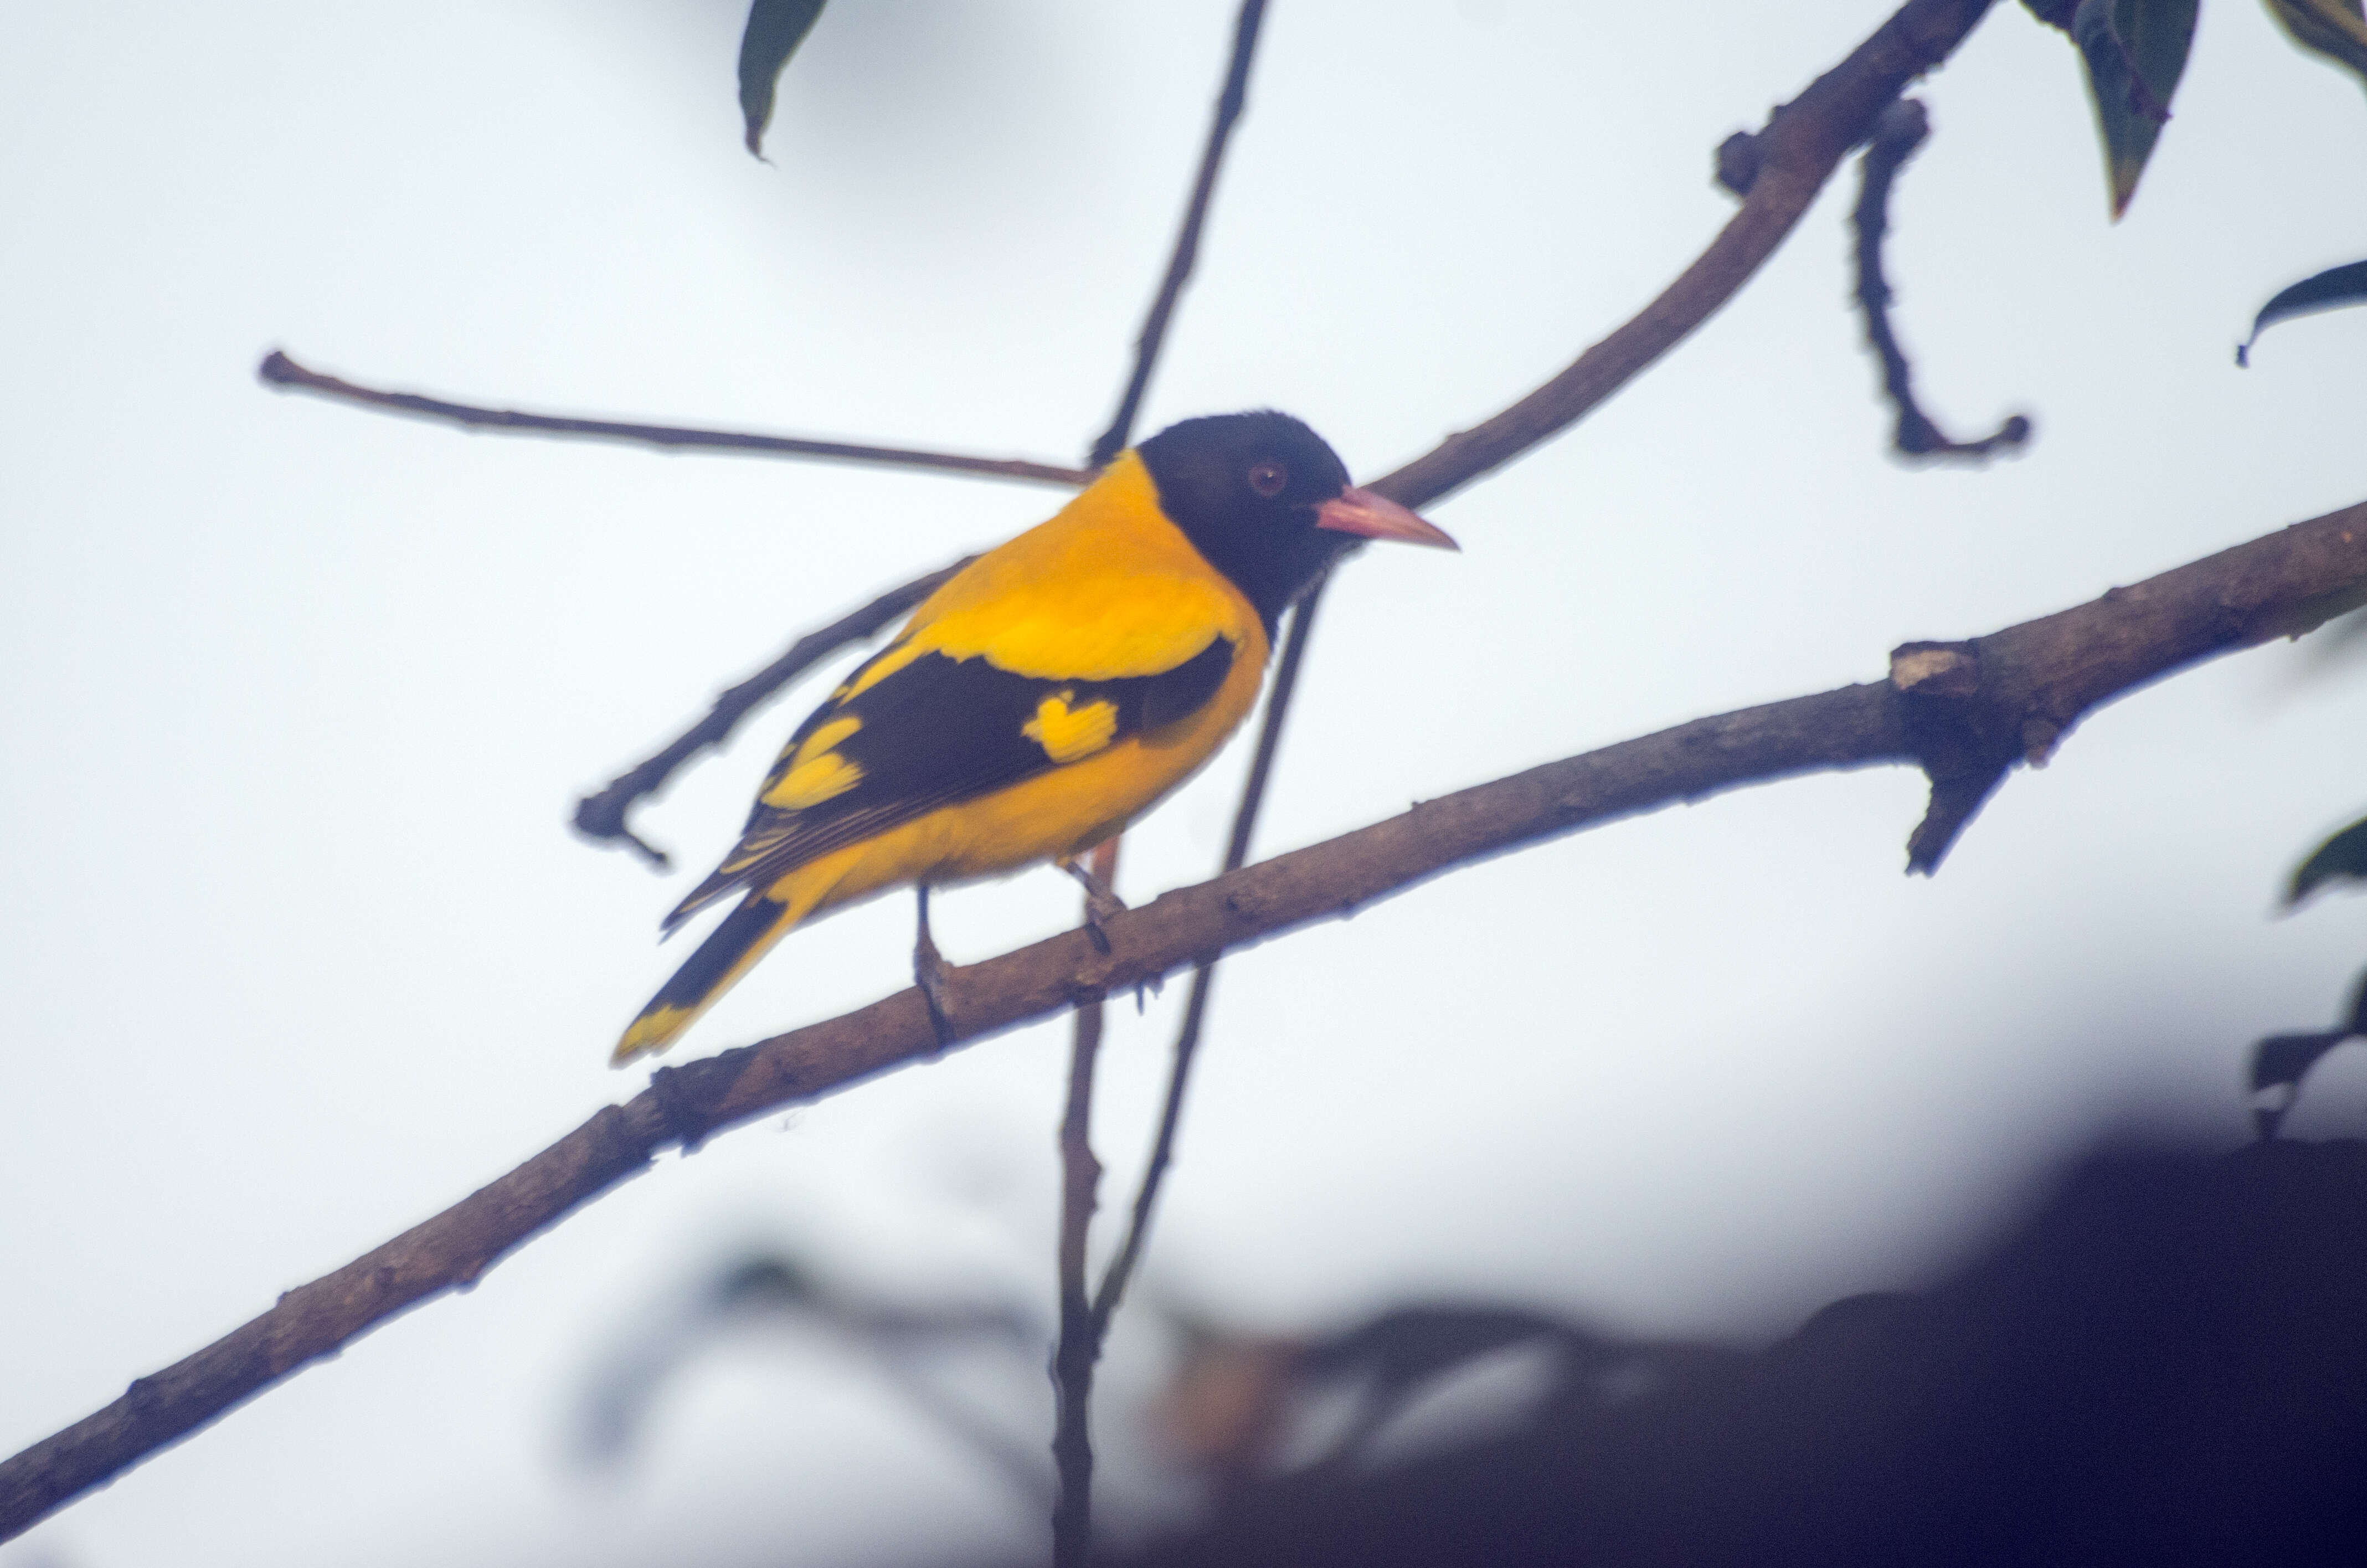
1367 515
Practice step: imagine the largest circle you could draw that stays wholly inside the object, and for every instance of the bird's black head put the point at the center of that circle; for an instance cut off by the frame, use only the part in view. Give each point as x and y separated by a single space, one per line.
1267 503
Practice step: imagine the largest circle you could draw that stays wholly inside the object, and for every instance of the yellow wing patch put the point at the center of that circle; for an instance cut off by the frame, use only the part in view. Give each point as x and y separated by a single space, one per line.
811 782
1066 734
653 1030
814 772
825 738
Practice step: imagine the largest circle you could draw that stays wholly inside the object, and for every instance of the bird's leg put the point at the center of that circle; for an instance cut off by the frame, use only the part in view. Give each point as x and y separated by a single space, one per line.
929 972
1100 901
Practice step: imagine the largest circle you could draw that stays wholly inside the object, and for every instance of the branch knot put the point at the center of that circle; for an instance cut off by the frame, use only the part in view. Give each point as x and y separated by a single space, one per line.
1935 670
1964 752
683 1121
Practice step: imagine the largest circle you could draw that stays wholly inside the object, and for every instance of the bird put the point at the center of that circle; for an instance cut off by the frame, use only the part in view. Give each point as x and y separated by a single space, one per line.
1047 694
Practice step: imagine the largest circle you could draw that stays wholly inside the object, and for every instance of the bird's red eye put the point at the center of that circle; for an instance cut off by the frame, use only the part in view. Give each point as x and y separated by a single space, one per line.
1268 478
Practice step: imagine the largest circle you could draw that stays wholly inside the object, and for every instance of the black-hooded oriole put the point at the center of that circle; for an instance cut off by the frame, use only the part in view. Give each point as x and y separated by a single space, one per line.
1054 690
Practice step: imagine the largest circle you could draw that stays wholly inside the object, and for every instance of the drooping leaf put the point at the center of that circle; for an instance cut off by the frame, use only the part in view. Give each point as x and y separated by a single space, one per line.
2336 28
2344 855
2135 51
2328 290
775 28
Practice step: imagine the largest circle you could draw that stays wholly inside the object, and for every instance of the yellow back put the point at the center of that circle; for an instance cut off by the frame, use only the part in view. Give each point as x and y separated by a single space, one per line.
1105 589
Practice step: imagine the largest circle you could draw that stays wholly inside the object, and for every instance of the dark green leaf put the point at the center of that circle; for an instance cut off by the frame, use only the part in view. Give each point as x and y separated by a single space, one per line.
2136 51
2328 290
775 28
2344 855
2336 28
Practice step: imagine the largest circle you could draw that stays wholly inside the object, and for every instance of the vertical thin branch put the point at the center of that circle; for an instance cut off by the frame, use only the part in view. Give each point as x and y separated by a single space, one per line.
1080 1339
1084 1322
1014 1461
1286 681
1187 240
1196 1010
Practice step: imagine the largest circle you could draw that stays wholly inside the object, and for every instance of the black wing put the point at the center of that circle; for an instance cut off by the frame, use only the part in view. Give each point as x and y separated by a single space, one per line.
936 731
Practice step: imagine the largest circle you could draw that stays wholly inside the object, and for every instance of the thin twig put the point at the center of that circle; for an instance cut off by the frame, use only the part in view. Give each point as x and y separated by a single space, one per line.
1080 1346
279 371
1187 239
2035 680
1900 129
1790 162
602 817
1204 974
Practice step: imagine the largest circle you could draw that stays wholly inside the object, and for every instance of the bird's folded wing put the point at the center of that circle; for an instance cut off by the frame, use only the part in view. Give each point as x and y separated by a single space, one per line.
914 731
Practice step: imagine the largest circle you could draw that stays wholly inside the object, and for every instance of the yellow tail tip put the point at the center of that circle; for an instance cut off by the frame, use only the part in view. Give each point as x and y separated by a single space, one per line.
653 1030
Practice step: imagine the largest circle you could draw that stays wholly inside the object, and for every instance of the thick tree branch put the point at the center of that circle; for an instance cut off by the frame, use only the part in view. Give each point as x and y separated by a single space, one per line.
1898 131
604 817
2016 692
1115 440
1977 708
1787 165
279 371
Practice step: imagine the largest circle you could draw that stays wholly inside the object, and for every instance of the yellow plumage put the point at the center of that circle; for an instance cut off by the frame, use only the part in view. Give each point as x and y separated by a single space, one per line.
1050 692
1107 588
